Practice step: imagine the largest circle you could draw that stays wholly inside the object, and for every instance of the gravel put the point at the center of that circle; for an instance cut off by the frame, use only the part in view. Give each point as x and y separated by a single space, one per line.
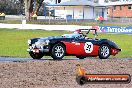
59 74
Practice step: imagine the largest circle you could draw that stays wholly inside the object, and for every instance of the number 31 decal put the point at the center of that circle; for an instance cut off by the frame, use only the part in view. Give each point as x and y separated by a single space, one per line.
88 47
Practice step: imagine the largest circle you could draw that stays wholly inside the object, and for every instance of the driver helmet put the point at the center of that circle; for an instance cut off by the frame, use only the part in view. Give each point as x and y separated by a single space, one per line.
78 31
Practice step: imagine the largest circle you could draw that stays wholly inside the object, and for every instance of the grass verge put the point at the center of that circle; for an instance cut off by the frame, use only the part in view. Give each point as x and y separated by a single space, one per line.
14 42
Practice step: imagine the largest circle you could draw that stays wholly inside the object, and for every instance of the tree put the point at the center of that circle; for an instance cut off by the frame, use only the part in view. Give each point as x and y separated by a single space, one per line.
10 7
27 4
32 7
14 7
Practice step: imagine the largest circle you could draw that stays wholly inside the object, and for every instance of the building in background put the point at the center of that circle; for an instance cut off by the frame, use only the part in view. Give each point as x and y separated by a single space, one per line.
119 8
78 9
91 9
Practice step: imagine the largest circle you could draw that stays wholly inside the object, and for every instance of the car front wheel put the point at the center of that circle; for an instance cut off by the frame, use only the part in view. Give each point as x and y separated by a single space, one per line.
36 55
104 51
58 51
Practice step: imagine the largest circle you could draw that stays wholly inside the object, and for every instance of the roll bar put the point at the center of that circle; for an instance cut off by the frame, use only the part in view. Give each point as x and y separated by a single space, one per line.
88 30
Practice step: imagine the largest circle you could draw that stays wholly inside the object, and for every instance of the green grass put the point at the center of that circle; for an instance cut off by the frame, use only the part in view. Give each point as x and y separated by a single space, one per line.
123 41
11 21
14 42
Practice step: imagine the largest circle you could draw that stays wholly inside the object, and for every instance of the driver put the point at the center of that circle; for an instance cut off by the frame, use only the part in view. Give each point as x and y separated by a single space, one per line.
79 32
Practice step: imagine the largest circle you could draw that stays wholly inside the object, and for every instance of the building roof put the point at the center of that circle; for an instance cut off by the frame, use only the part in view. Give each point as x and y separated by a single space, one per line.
118 3
77 3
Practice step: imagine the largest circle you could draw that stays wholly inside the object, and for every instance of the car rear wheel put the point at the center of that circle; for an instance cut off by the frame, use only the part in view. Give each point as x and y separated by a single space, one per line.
104 51
36 55
58 51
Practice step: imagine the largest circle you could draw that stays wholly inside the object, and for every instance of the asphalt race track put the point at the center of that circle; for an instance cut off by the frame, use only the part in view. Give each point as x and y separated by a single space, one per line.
15 59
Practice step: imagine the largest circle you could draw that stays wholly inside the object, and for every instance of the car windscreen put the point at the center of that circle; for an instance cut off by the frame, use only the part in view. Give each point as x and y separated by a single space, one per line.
73 35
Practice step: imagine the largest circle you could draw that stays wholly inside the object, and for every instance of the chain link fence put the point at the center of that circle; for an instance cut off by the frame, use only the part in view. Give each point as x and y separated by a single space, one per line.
54 21
122 20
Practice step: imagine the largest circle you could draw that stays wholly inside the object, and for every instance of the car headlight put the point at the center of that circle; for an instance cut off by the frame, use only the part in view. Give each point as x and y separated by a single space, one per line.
38 43
42 43
47 42
29 42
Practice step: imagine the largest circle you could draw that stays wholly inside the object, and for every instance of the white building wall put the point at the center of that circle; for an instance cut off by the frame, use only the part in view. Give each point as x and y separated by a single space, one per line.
69 10
88 13
78 13
105 14
60 12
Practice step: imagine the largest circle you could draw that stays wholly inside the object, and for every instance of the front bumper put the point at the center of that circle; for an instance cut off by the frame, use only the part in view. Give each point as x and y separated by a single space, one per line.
38 50
115 51
119 50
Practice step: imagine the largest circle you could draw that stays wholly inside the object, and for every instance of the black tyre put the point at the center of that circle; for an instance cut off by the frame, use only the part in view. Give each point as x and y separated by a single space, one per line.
81 80
80 57
104 51
36 55
58 51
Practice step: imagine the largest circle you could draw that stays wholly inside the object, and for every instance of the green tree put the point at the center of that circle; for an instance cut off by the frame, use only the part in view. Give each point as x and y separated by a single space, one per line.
17 7
10 6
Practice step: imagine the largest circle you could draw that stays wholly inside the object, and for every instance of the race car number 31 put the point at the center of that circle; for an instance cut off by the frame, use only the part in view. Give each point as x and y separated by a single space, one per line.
88 47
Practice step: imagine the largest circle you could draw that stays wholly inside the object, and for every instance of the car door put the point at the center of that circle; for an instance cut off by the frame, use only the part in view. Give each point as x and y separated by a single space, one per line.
90 47
83 46
74 47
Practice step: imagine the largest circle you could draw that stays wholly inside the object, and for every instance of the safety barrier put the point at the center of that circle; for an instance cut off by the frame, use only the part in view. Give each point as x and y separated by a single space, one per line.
114 29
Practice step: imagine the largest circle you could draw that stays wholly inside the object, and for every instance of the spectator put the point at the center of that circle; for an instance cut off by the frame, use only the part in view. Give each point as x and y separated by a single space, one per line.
101 19
97 19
